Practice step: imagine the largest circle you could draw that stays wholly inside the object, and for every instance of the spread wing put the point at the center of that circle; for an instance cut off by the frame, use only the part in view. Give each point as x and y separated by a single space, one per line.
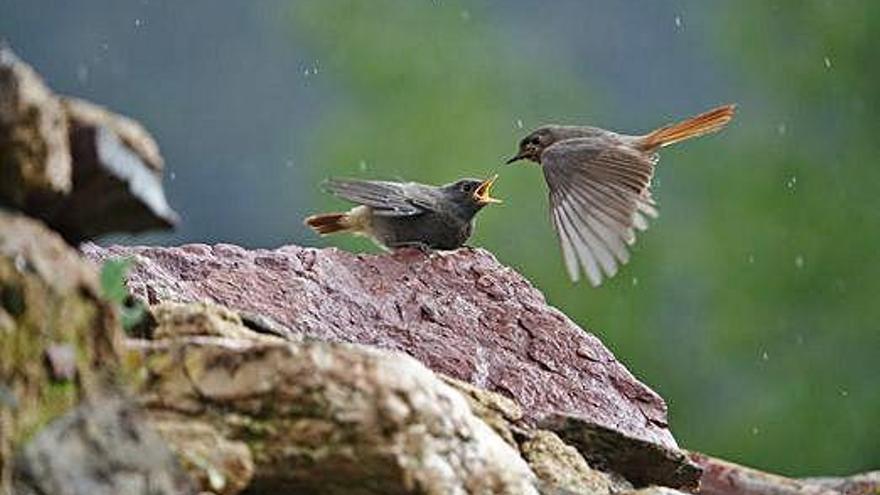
386 198
599 196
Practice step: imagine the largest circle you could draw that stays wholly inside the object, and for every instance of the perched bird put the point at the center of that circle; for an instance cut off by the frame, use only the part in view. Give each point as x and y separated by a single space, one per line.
396 214
599 184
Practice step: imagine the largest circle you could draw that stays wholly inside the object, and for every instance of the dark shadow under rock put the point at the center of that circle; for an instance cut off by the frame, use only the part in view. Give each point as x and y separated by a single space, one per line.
642 463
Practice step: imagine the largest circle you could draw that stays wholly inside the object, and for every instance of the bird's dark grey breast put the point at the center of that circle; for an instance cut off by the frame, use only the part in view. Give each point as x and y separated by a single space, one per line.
436 230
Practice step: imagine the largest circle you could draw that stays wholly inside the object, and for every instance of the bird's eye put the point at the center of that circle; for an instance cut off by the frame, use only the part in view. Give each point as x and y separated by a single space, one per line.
535 140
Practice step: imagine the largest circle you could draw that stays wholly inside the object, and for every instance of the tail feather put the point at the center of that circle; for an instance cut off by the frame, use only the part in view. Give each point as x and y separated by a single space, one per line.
705 123
328 223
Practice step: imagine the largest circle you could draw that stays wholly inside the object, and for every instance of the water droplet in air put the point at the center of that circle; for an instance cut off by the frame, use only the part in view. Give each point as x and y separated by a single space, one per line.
843 393
288 164
751 259
138 23
678 21
635 281
799 261
791 182
827 63
465 15
362 165
82 73
755 430
172 175
519 123
782 129
765 356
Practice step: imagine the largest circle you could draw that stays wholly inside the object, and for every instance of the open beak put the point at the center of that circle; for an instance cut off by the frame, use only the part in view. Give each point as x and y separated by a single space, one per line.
481 195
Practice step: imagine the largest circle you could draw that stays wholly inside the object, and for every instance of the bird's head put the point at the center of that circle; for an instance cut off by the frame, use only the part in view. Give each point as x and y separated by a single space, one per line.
471 194
531 146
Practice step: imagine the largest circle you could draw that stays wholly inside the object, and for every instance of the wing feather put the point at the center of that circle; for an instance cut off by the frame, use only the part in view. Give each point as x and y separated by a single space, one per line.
384 197
599 196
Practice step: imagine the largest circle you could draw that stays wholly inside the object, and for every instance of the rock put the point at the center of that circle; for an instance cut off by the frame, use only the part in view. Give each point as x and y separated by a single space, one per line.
461 313
117 177
59 342
173 320
103 448
561 466
83 170
857 484
726 478
219 465
330 418
642 463
34 155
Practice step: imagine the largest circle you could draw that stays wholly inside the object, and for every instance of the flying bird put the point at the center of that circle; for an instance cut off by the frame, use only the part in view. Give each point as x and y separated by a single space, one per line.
398 214
600 185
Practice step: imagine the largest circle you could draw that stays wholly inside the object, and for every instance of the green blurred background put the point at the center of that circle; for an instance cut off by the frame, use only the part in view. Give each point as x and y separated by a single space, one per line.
751 304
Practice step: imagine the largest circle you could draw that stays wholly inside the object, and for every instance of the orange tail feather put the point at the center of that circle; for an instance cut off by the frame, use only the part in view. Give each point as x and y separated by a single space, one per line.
328 223
705 123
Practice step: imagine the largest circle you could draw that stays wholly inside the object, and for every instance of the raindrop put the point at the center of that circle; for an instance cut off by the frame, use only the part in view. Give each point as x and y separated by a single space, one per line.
782 129
827 63
799 338
288 164
765 356
791 182
465 15
635 281
172 175
755 430
362 165
799 261
82 73
751 259
678 21
519 123
138 23
843 392
306 72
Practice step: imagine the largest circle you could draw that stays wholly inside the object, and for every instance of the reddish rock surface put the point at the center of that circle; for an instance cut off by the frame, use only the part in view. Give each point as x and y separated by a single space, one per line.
460 313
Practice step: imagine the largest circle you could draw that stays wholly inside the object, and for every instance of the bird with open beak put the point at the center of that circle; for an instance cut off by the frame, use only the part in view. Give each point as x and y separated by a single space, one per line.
599 184
397 214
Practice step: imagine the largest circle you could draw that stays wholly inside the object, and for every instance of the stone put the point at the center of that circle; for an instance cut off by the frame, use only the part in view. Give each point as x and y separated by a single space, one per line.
857 484
641 462
117 177
59 341
173 320
35 161
461 313
100 448
330 418
562 466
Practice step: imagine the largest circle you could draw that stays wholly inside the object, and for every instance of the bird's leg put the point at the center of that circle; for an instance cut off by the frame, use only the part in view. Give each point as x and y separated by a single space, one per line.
421 246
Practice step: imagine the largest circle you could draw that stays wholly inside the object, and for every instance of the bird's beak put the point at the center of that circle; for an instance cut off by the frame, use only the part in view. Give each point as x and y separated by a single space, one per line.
519 156
481 195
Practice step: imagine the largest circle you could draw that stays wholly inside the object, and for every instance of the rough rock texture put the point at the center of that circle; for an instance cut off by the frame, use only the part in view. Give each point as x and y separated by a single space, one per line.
34 154
59 342
99 449
331 418
460 313
726 478
642 463
859 484
117 177
560 465
83 170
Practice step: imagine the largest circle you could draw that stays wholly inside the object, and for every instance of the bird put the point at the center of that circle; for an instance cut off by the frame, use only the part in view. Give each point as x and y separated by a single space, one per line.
599 185
407 214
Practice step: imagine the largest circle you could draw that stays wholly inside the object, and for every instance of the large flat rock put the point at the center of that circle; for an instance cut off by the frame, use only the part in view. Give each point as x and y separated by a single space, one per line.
460 313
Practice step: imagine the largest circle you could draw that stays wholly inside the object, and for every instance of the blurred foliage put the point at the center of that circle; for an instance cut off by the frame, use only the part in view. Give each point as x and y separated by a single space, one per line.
751 304
113 289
